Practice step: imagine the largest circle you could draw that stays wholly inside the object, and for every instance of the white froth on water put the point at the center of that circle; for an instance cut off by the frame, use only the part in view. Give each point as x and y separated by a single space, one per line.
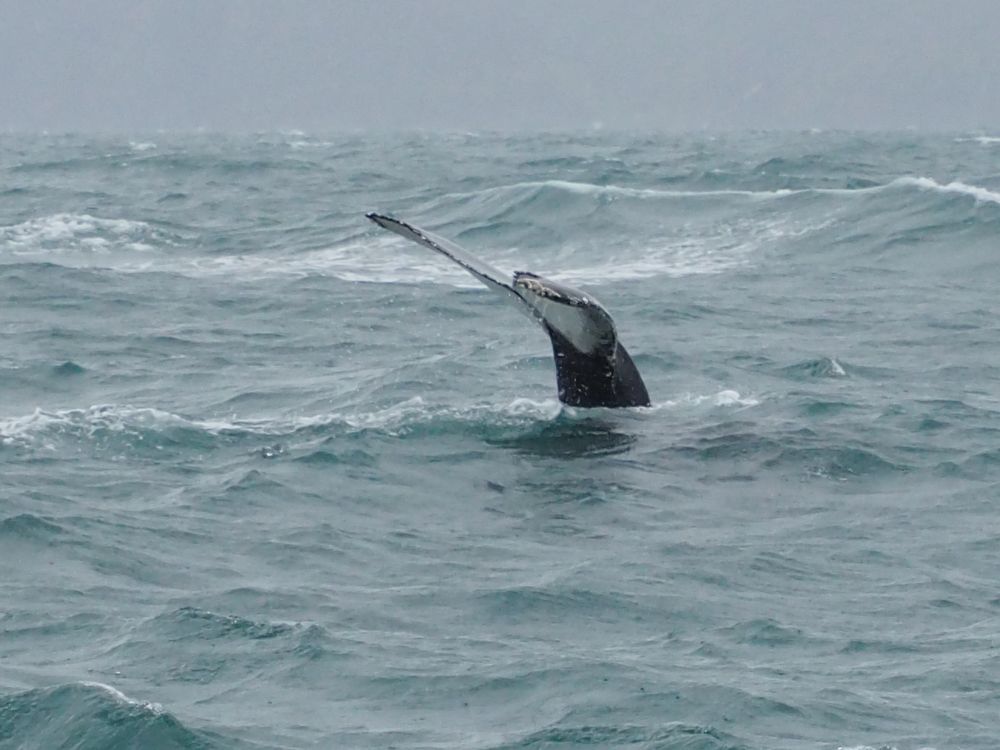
66 233
43 428
981 194
985 140
120 697
392 261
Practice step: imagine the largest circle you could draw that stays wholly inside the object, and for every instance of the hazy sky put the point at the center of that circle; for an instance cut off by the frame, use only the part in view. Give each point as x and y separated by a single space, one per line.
505 65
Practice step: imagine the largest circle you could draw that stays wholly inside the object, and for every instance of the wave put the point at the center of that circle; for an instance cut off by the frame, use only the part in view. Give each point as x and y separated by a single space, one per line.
752 449
981 195
529 189
93 716
726 247
29 526
533 188
193 623
123 426
985 140
113 425
675 736
621 246
391 260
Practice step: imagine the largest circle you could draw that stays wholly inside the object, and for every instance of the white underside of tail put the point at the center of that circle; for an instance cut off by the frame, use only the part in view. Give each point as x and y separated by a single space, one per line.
586 327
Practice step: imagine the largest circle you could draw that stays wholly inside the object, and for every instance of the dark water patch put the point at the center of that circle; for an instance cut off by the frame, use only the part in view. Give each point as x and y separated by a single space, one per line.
474 688
190 622
21 628
750 361
331 456
251 486
209 163
315 643
766 632
735 478
134 565
731 446
836 462
671 737
821 409
252 480
930 424
766 565
72 164
246 398
68 369
173 197
91 716
586 438
859 183
926 232
980 465
953 325
571 491
254 599
29 526
529 603
957 409
945 604
878 646
705 702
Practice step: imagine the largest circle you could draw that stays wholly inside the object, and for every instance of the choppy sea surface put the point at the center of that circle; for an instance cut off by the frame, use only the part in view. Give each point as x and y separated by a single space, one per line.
271 477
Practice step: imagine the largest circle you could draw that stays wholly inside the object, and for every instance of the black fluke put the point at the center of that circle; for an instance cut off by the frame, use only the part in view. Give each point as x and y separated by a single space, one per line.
592 367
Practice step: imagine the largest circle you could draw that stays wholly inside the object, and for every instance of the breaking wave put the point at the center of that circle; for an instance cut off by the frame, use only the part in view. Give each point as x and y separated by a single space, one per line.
93 716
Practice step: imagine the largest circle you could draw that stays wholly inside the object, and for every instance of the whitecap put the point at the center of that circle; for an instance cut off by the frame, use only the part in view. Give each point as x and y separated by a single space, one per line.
985 140
723 399
586 188
298 145
981 194
108 417
64 232
545 410
120 697
583 188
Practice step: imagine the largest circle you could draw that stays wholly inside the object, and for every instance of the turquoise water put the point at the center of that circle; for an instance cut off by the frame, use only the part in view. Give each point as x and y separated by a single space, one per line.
272 477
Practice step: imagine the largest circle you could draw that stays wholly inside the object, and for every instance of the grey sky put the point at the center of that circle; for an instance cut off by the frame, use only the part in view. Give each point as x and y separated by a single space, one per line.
487 64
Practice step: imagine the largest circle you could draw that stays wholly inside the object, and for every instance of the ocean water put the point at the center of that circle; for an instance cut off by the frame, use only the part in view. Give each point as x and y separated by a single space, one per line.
271 477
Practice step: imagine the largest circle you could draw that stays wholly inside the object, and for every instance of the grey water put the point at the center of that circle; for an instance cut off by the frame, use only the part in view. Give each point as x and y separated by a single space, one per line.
271 477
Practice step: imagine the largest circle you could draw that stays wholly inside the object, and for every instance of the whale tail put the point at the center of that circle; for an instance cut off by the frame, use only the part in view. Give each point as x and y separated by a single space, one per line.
593 368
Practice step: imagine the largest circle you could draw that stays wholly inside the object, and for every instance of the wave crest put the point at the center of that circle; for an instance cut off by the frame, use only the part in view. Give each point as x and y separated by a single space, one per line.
981 194
116 427
91 716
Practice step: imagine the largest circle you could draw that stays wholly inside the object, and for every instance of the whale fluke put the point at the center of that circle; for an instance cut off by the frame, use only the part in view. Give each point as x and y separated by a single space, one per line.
592 366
